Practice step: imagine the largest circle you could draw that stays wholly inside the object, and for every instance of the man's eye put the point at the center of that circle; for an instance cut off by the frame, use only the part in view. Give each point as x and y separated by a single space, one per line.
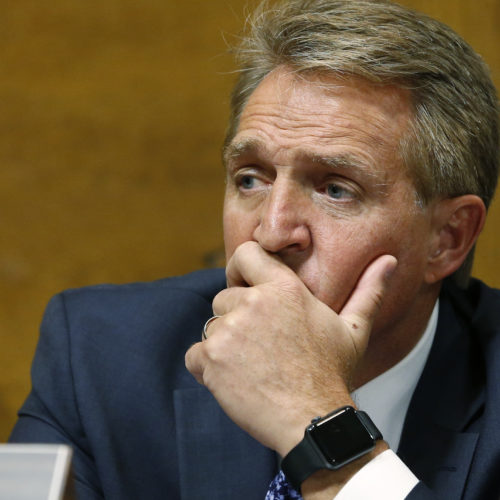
247 182
338 192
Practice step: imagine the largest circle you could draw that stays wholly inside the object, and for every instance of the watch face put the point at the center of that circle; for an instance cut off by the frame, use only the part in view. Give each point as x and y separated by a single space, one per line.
342 437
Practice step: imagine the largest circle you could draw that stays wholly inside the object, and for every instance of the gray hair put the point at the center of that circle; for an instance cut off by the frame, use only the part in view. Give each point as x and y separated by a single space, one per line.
452 147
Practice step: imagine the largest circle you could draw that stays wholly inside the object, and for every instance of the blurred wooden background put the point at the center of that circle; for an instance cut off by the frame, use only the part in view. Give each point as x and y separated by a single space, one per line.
112 114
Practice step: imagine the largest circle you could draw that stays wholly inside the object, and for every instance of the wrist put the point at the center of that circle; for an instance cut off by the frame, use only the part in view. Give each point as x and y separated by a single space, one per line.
294 431
331 442
326 484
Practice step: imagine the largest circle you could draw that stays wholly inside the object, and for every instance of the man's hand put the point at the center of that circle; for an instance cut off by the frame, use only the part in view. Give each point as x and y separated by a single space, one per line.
278 356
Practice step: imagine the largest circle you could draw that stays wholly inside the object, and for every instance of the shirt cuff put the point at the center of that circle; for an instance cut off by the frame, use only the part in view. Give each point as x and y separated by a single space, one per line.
386 477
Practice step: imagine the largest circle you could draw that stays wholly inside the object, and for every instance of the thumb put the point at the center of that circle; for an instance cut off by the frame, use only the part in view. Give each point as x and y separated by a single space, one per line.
366 299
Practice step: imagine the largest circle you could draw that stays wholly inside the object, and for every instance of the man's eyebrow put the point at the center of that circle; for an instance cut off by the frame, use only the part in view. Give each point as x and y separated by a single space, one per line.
338 161
352 165
240 148
253 146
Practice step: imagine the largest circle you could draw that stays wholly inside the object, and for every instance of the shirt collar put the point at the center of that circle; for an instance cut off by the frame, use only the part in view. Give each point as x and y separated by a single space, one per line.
386 398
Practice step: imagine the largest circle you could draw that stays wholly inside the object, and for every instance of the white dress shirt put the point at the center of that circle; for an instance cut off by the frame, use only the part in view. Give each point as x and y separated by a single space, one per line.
386 399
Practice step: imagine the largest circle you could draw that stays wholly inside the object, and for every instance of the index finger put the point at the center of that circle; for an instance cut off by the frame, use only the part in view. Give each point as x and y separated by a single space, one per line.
251 265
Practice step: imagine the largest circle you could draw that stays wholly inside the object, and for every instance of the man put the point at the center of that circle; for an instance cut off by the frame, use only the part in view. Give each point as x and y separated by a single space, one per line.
361 156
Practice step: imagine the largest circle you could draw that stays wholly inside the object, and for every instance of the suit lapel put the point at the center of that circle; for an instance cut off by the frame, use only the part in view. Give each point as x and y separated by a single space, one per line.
439 436
216 458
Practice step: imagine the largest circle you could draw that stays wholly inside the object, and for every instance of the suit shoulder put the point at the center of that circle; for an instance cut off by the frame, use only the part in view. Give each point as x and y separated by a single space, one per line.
203 283
138 312
477 300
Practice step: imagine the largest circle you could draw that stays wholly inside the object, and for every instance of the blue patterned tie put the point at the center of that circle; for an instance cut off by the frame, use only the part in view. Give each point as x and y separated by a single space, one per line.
280 489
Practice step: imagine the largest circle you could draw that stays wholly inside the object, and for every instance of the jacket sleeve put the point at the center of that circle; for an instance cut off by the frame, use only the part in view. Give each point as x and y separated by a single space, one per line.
50 413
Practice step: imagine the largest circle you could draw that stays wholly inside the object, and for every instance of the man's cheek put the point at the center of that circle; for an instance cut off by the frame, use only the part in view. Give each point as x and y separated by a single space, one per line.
333 288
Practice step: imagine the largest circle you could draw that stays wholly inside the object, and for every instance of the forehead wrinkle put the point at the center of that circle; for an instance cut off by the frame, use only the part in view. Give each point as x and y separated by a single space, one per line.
283 116
290 118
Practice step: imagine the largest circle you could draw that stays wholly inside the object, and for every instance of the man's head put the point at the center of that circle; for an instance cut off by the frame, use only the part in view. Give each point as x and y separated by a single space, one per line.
450 144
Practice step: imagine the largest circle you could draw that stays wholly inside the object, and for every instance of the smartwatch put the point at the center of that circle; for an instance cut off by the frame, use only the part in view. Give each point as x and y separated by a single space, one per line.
330 442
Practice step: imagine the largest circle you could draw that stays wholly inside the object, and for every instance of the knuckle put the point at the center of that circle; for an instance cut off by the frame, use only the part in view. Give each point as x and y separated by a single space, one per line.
292 286
219 300
218 346
377 299
252 298
293 291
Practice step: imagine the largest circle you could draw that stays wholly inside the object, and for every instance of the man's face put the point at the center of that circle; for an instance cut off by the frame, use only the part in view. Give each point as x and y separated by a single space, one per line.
314 176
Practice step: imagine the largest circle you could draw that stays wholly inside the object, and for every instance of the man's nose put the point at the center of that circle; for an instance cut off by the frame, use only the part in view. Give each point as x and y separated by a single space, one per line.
282 222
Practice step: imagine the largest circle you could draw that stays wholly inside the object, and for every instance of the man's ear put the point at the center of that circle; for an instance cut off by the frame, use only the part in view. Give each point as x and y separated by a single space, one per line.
457 224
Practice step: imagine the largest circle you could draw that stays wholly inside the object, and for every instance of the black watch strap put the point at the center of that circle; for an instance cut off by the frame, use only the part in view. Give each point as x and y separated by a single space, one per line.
307 457
301 462
368 423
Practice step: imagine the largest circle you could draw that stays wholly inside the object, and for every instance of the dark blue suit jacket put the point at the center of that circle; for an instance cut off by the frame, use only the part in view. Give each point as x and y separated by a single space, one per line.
109 379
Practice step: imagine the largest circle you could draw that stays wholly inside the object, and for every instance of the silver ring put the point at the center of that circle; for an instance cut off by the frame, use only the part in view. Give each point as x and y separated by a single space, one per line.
204 335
